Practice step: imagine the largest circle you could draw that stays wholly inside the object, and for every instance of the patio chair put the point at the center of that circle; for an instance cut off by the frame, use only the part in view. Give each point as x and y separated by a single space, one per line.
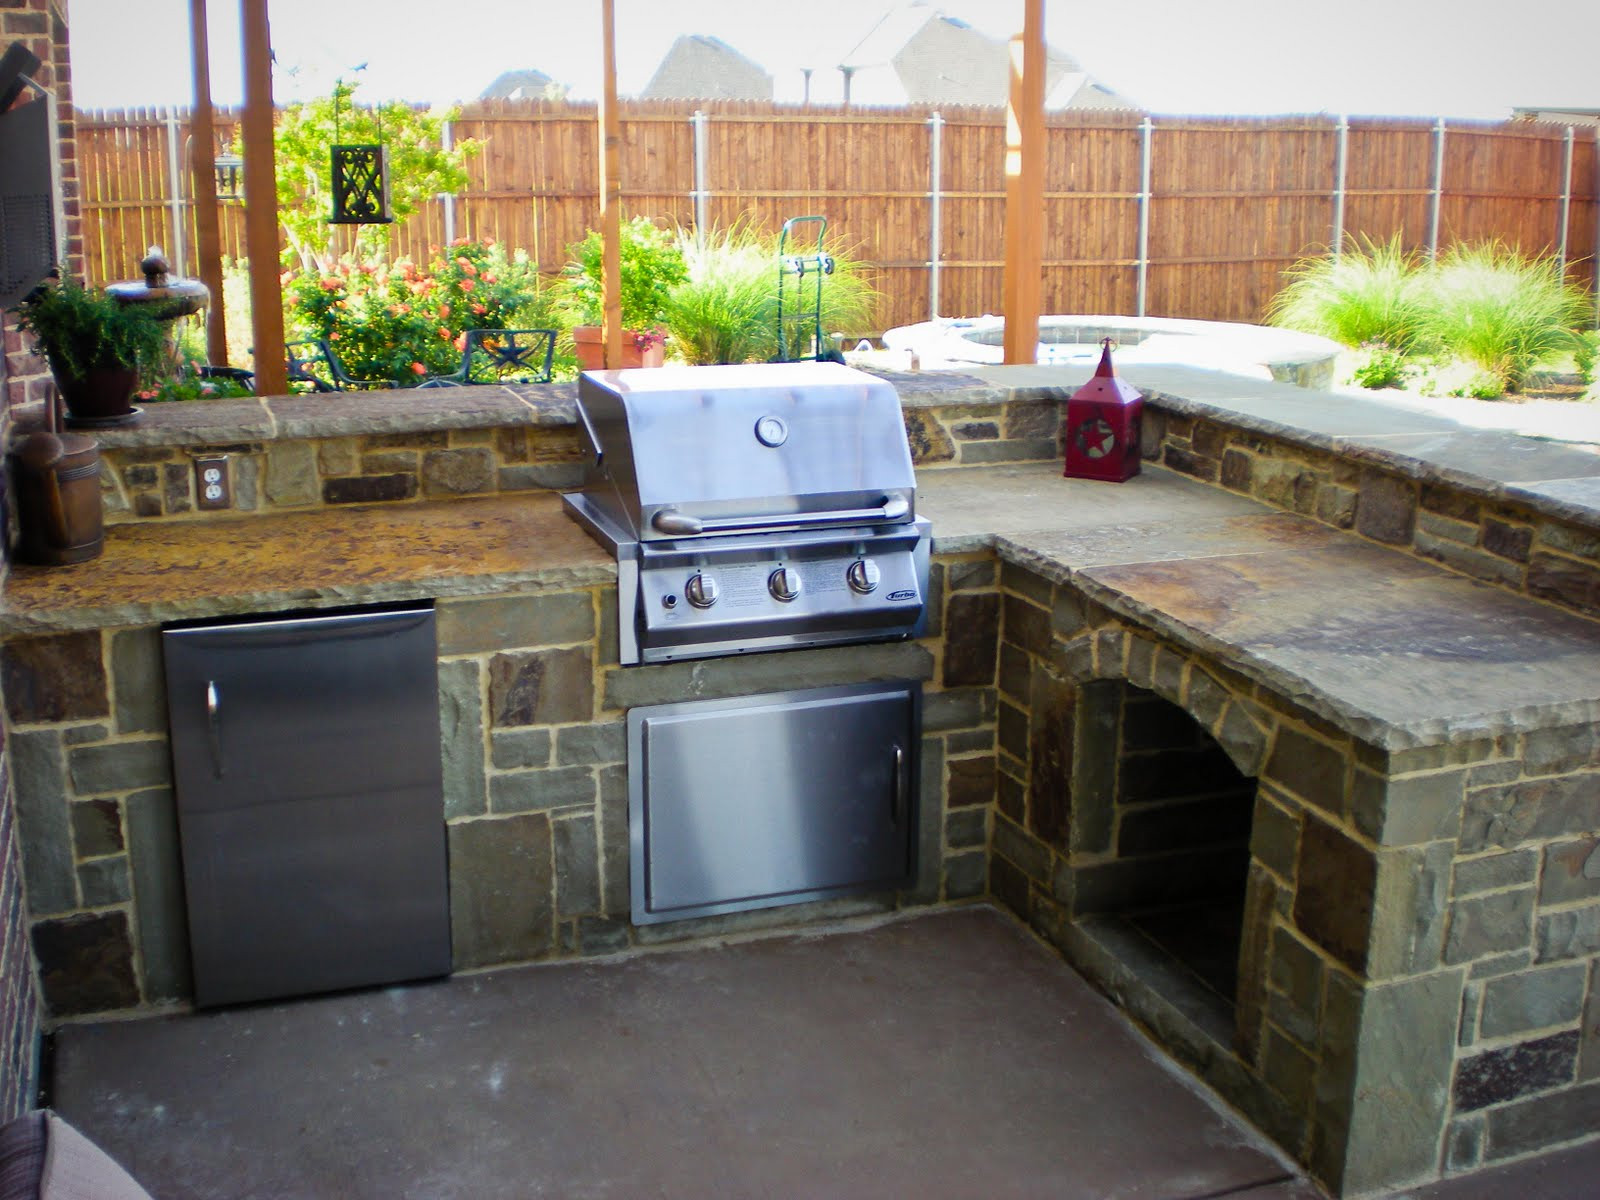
237 375
313 362
501 356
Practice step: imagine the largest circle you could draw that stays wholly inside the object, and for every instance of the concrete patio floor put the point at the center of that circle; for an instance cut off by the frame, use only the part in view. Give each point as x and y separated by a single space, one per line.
948 1054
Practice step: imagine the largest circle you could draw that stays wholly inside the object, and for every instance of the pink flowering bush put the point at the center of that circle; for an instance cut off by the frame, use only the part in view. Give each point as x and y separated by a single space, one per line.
402 322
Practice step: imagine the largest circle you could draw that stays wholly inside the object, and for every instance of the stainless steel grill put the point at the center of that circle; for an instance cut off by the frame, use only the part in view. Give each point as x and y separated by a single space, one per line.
752 508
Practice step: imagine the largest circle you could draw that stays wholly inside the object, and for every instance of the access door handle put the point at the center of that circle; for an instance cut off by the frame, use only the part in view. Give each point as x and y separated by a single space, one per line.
897 801
214 727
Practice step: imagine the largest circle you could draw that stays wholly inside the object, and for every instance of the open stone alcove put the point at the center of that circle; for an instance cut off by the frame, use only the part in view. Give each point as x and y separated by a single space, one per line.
1408 992
1166 812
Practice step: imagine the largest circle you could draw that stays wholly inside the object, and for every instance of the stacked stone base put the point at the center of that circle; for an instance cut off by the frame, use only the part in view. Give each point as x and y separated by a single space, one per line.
1417 965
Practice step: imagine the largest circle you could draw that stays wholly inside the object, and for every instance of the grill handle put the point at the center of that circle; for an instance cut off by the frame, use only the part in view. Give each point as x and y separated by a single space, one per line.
676 524
594 438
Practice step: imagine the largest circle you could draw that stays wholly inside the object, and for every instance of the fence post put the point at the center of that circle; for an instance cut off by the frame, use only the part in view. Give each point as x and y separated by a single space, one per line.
701 199
1146 128
1340 161
447 141
1438 187
1566 205
935 212
179 255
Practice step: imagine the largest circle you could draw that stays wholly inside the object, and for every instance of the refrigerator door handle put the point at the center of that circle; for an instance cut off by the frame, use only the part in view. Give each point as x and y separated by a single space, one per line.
214 727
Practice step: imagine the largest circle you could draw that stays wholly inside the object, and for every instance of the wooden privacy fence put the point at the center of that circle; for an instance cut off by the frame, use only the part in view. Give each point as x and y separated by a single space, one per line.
1181 216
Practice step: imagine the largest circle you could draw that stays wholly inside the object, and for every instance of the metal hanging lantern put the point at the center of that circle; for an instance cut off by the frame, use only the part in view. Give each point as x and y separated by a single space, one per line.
360 180
360 186
1103 420
229 170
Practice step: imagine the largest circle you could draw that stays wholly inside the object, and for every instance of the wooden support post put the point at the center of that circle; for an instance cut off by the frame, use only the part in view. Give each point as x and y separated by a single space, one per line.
203 186
261 201
1025 188
610 189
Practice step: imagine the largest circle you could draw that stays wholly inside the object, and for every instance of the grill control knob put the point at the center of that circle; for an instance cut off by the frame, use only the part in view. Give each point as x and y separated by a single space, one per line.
863 576
784 584
701 590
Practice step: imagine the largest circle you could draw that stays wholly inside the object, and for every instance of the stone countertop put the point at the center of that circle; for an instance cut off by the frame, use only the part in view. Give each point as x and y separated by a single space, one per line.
1479 447
159 571
1391 649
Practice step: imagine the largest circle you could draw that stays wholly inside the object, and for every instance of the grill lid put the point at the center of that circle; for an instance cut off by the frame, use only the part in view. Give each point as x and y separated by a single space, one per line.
680 452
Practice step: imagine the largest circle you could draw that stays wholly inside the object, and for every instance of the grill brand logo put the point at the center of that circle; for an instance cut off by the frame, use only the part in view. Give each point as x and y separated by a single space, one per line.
903 594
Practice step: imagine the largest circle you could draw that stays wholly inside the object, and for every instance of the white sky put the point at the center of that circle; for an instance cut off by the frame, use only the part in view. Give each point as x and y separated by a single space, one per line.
1453 58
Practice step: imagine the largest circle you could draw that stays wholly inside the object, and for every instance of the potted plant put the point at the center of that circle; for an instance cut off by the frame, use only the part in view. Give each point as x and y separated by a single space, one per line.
651 265
96 346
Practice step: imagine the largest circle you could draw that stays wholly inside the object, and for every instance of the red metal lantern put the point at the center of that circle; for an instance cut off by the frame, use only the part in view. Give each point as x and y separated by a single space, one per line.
1103 426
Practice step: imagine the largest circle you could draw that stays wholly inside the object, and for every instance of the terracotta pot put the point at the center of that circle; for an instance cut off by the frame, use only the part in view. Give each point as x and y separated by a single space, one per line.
101 396
590 343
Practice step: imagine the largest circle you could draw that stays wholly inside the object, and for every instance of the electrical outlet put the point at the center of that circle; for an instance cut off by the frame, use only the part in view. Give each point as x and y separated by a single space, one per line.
212 487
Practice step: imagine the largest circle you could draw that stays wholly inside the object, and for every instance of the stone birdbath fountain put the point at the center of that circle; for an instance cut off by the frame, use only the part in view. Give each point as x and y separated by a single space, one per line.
166 297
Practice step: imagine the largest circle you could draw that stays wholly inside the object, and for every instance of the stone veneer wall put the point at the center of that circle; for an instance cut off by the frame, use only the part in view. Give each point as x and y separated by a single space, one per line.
19 1004
1421 943
159 482
532 708
151 482
1498 541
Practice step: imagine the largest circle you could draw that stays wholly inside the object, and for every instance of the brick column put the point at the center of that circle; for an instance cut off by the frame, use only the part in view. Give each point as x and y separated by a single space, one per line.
41 26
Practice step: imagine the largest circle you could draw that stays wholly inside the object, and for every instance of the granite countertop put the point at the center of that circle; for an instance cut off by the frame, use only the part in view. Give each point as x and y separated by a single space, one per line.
171 570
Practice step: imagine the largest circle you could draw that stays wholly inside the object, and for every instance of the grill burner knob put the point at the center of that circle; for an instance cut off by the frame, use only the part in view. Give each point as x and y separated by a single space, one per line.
784 584
701 590
863 576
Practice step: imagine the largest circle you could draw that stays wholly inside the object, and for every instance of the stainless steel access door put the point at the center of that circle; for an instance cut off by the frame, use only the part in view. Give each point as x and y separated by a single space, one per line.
773 799
310 802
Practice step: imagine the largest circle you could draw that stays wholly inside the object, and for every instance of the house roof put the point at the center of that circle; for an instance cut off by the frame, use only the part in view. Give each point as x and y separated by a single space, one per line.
517 85
915 54
701 67
1559 115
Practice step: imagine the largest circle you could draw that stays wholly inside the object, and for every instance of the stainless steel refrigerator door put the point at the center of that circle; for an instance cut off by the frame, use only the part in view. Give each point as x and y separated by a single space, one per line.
310 802
772 799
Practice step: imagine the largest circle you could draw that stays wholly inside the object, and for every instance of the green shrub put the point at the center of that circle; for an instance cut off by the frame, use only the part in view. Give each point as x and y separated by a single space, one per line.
651 264
1383 367
1369 293
1585 351
1501 311
188 384
726 310
400 322
1480 385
